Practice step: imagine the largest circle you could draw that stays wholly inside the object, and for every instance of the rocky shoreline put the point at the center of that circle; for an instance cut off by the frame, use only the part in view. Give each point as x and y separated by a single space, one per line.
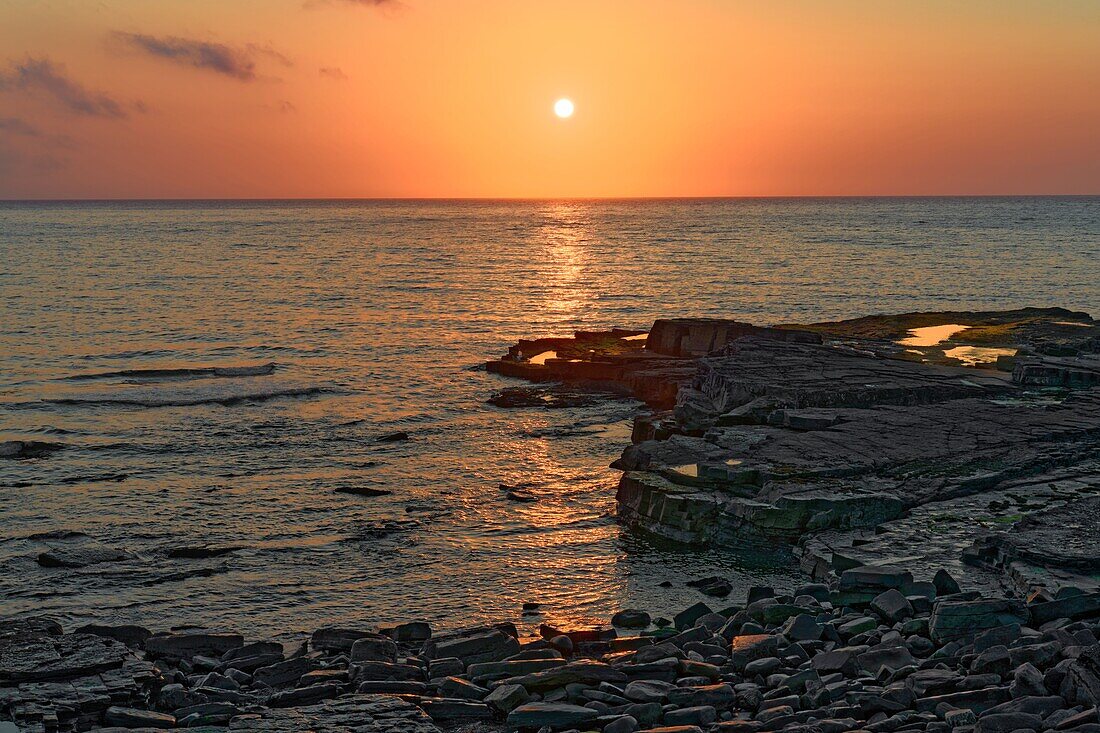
872 649
917 439
938 476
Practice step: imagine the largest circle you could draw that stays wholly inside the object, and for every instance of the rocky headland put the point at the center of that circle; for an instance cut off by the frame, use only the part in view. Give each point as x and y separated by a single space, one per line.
921 439
937 475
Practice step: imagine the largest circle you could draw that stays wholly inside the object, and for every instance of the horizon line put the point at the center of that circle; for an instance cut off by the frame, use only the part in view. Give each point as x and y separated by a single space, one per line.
259 199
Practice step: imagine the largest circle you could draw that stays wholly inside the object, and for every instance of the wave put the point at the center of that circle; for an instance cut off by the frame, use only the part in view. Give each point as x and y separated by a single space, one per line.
177 399
250 370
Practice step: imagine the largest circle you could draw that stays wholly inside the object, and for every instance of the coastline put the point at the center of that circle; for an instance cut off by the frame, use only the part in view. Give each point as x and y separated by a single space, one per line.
881 636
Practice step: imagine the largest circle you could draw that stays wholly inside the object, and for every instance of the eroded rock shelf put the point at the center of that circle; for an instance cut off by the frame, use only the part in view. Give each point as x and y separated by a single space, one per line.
852 445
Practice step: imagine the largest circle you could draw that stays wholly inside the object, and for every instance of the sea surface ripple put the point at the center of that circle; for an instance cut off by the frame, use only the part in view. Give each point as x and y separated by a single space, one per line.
217 370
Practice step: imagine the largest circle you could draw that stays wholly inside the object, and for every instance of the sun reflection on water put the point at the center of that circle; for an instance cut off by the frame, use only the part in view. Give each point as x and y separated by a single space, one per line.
564 238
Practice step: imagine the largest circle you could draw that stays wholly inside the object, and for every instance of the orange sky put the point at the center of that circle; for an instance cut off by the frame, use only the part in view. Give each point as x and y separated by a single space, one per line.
366 98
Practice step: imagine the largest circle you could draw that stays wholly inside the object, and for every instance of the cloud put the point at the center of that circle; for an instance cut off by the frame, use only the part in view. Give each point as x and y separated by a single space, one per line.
333 72
15 164
270 52
16 126
33 135
45 77
233 62
384 4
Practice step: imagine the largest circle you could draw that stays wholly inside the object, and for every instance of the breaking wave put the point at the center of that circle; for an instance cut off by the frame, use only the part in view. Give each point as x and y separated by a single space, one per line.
250 370
185 398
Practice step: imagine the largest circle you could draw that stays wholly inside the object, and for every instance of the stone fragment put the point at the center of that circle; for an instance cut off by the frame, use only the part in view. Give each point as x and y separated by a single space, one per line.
582 672
472 647
461 689
176 646
39 658
507 698
305 695
285 672
802 627
374 649
130 635
17 449
874 578
702 716
843 660
1081 684
133 718
647 691
953 619
1080 606
1027 681
412 631
945 584
631 619
687 618
557 715
1008 722
451 711
892 606
77 550
332 639
346 714
386 671
960 718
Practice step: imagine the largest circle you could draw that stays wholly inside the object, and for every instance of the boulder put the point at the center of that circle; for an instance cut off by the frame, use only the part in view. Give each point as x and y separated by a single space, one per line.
557 715
176 646
1008 722
1026 681
874 578
631 619
687 618
1081 685
507 698
133 718
473 647
374 649
583 672
412 631
747 647
892 606
361 713
332 639
39 658
701 715
131 636
961 619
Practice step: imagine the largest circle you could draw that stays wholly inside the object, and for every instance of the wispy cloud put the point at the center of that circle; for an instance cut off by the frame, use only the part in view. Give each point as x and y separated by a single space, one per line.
42 76
238 63
384 4
333 72
271 53
14 164
16 126
34 135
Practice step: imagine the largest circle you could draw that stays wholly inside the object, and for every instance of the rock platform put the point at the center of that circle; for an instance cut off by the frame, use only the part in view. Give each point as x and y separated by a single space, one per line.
854 445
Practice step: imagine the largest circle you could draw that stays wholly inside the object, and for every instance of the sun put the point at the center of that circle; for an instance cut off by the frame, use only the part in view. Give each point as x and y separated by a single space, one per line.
563 108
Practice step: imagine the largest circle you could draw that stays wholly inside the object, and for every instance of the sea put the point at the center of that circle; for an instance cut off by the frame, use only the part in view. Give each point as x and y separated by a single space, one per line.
220 373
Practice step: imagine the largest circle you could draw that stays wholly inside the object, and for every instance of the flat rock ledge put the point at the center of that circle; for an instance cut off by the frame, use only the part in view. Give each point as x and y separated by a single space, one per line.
853 446
872 649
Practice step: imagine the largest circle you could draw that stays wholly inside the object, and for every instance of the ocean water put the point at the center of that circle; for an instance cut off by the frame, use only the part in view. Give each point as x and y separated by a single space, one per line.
377 317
